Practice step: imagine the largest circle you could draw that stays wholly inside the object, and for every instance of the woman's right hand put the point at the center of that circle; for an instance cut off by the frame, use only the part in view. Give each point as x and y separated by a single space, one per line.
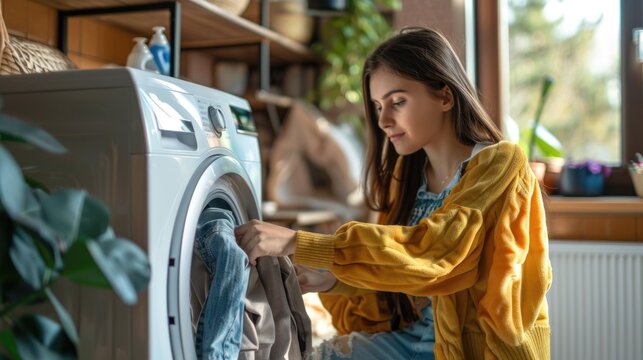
313 280
259 238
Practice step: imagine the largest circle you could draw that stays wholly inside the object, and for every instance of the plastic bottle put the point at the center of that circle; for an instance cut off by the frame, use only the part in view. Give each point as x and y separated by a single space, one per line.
140 57
160 49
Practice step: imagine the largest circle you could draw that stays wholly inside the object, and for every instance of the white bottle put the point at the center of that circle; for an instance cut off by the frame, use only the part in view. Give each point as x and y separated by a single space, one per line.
160 49
140 57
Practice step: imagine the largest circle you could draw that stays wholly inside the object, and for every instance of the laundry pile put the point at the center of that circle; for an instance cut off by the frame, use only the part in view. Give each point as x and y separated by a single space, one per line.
242 311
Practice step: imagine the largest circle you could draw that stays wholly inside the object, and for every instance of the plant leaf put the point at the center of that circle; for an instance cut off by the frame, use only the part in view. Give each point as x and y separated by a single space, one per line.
14 129
63 316
38 337
547 143
26 259
12 186
124 264
95 219
9 343
18 200
81 268
62 210
35 184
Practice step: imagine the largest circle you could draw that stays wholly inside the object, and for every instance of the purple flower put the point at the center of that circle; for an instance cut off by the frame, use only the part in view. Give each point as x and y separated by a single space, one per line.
592 166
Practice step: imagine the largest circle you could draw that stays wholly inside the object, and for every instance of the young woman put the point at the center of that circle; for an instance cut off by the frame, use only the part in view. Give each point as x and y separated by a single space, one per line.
458 266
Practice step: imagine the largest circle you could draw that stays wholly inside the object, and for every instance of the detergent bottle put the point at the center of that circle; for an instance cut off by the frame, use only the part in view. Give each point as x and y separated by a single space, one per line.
160 49
140 57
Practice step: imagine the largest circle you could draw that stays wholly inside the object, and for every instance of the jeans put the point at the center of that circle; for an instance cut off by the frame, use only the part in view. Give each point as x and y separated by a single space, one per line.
221 322
414 342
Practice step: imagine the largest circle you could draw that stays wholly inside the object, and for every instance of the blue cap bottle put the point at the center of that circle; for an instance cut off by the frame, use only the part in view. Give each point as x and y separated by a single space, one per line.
160 49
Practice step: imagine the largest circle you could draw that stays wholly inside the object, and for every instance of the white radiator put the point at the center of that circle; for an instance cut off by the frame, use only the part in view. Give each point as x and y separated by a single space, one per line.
596 300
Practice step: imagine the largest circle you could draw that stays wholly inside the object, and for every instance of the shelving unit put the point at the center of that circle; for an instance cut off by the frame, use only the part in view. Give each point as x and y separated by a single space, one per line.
203 26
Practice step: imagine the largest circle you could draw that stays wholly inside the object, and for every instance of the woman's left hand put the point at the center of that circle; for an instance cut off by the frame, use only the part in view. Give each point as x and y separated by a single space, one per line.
258 238
314 280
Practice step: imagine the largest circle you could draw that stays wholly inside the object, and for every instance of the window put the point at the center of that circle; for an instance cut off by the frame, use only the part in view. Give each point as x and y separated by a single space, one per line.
616 70
576 43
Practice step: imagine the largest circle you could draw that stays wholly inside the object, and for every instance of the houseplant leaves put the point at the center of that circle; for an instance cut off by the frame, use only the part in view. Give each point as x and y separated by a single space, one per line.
38 337
47 235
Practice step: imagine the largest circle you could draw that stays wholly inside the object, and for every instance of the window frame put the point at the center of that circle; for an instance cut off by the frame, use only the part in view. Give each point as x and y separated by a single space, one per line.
492 71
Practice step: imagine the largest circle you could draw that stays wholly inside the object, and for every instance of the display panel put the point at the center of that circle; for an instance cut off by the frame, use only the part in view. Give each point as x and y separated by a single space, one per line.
243 119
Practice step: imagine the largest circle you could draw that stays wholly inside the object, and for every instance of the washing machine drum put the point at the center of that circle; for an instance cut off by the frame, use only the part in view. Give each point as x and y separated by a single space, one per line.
269 311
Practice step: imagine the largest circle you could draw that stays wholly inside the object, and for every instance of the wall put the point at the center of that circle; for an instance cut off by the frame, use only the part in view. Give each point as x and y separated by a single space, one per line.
92 43
447 16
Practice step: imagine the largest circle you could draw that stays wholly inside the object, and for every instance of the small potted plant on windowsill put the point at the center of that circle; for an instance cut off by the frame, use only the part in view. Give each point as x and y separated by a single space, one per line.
537 139
636 171
585 178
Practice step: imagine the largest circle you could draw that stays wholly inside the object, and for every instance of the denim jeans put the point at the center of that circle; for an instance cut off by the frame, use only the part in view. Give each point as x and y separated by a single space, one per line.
221 322
414 342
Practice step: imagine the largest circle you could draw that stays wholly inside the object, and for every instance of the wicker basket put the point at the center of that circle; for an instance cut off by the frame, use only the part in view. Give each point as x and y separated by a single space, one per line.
22 56
235 7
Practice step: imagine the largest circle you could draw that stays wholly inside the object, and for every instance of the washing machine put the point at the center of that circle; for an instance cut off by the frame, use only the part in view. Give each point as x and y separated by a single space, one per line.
158 151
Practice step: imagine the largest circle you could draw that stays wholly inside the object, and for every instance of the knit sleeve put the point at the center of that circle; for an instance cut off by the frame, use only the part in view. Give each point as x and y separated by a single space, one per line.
519 272
437 256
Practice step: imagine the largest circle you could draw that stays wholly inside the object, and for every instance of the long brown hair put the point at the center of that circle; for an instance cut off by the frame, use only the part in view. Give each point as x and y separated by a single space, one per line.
424 55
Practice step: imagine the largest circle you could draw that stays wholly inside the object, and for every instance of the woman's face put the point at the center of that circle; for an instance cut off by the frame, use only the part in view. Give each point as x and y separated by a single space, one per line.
410 116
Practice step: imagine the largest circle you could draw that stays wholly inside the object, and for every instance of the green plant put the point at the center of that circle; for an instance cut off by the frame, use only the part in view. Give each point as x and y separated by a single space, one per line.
345 42
537 136
46 236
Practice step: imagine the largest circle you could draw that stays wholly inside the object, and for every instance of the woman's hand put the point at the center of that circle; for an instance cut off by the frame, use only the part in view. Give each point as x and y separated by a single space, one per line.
313 280
258 238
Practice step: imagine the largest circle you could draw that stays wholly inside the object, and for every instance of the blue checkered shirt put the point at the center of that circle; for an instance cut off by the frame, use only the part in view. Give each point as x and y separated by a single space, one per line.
426 202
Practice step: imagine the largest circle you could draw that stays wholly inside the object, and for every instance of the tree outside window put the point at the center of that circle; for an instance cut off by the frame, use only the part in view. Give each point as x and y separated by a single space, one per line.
578 43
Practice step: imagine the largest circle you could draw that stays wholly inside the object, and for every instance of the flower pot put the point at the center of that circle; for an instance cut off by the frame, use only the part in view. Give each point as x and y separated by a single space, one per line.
580 181
538 168
637 179
551 181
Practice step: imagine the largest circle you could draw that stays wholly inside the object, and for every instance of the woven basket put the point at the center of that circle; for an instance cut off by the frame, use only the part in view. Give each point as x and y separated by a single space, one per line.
22 56
235 7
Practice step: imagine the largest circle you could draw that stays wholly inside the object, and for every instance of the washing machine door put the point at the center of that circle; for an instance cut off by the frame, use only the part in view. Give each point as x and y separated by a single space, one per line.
221 182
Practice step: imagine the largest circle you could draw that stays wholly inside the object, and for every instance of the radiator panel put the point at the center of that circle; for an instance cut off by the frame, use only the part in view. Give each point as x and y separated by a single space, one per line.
596 300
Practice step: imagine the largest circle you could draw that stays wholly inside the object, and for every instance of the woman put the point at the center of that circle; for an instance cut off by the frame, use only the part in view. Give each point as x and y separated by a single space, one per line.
458 267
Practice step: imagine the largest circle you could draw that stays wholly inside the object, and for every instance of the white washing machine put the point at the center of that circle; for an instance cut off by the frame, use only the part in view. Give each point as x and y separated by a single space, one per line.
157 151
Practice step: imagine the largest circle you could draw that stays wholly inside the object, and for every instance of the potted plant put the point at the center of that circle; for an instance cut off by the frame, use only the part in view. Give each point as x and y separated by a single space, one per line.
46 236
345 42
586 178
537 138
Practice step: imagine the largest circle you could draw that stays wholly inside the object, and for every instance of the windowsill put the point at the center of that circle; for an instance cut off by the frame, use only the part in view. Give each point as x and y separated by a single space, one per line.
595 205
603 218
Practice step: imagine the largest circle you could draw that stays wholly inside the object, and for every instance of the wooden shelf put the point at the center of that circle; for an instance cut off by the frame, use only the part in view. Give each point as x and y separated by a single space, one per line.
605 218
203 26
595 205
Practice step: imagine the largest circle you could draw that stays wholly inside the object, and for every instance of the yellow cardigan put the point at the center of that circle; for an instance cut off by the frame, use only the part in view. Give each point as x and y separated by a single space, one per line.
482 256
